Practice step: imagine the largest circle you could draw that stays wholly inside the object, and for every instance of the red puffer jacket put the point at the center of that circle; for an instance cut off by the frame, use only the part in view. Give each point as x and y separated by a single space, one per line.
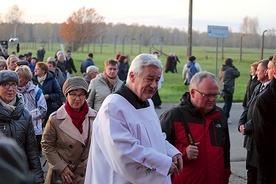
211 130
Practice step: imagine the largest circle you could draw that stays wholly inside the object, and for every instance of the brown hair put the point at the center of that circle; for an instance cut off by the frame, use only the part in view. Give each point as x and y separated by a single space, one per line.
110 62
255 65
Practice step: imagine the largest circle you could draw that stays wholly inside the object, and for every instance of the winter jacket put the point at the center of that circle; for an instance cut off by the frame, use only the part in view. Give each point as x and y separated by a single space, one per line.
246 120
18 125
99 90
63 145
13 163
52 88
264 129
86 63
227 77
211 130
252 83
35 103
191 70
122 73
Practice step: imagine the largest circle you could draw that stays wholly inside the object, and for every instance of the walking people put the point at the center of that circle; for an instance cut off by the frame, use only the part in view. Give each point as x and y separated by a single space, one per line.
129 146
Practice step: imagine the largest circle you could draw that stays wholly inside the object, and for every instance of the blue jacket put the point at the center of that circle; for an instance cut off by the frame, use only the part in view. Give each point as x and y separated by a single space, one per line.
86 63
52 88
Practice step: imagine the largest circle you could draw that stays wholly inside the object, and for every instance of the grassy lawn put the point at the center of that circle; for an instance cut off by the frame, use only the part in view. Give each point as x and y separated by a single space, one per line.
173 86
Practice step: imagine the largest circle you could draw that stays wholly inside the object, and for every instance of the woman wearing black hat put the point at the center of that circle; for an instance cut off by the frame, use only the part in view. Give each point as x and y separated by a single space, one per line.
16 121
66 138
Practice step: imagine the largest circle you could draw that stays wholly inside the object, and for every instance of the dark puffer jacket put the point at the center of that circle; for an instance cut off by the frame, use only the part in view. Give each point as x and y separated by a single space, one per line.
18 125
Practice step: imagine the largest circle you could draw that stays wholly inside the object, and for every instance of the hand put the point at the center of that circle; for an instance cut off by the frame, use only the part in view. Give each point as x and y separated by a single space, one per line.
178 161
192 151
242 129
173 168
46 96
67 175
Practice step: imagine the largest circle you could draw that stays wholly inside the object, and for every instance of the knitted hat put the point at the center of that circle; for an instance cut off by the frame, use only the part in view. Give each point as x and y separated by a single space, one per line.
8 76
74 83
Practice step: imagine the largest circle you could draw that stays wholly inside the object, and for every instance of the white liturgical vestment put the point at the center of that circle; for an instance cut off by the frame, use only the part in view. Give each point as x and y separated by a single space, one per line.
128 146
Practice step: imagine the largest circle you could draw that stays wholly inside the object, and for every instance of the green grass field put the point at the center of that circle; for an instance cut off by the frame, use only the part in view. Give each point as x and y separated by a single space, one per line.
172 87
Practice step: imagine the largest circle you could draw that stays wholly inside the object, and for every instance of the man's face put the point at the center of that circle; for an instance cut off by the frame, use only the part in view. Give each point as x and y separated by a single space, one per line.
204 95
261 73
270 70
111 71
51 68
146 84
12 64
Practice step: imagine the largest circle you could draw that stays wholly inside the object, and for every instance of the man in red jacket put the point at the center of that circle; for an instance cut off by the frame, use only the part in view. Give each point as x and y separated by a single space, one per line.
198 129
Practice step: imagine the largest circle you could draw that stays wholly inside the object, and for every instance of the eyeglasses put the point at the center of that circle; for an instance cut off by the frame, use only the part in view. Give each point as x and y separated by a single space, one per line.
208 95
8 85
81 96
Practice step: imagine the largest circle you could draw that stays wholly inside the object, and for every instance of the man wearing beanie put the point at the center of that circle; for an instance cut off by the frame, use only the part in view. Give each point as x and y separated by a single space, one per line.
16 121
67 135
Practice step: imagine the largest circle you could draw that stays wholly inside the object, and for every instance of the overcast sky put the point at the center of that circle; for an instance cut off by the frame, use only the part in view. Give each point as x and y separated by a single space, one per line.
165 13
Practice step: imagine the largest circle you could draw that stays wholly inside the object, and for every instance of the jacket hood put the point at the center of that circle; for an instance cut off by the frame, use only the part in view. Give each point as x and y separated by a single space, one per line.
190 63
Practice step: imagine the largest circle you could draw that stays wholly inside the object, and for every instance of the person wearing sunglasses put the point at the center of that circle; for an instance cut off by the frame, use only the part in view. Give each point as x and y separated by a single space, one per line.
198 128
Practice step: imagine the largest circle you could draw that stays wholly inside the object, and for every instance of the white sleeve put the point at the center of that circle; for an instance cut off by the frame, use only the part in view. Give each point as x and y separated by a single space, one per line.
125 153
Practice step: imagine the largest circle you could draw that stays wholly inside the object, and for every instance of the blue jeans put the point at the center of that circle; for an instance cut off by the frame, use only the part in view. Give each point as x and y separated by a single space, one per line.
227 105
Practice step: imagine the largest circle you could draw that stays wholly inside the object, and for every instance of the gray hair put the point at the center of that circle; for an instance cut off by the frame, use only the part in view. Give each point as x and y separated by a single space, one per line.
92 69
9 58
141 61
197 78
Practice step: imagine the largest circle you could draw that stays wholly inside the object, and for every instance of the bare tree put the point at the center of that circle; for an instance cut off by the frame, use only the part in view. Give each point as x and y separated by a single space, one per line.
14 16
250 26
81 27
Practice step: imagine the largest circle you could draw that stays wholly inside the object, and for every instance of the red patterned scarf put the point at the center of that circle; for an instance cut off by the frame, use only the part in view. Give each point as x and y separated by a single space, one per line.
77 117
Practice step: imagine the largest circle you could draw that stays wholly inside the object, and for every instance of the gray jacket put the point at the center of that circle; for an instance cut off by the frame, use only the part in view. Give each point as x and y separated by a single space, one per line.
99 90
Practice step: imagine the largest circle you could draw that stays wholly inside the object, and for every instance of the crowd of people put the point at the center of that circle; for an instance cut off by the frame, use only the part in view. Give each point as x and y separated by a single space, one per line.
45 111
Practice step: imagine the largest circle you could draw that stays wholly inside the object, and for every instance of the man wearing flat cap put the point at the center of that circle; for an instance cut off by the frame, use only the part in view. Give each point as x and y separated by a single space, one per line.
16 122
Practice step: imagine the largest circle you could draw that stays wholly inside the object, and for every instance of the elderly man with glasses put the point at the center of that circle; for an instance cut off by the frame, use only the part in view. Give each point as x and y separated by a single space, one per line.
199 130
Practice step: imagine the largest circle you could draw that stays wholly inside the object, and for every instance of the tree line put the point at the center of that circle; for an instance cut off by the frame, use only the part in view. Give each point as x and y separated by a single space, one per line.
86 26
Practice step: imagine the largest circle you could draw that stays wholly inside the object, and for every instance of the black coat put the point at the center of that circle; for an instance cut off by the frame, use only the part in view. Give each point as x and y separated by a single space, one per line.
252 83
264 131
19 126
246 120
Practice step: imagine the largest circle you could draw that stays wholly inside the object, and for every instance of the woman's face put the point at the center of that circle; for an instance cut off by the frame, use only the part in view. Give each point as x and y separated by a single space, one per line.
111 70
22 80
8 91
76 99
39 72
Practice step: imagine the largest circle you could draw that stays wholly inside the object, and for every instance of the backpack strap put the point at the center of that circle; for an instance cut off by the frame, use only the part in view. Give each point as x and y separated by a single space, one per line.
186 127
37 96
